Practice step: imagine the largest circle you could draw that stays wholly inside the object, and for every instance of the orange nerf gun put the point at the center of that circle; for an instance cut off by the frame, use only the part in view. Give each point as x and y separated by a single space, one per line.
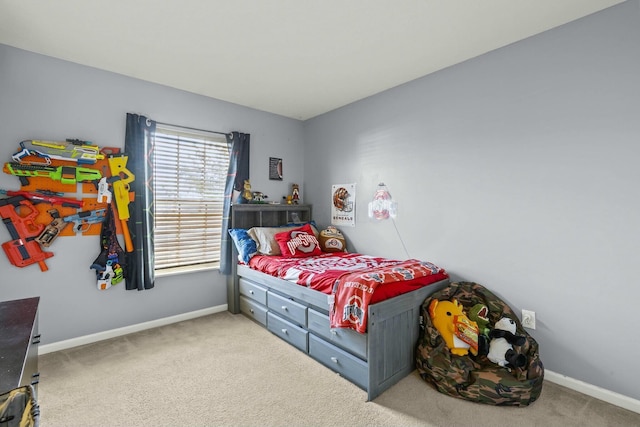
19 214
120 179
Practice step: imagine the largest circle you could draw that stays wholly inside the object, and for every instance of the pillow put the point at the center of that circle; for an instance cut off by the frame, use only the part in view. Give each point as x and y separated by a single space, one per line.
264 237
298 243
246 246
332 240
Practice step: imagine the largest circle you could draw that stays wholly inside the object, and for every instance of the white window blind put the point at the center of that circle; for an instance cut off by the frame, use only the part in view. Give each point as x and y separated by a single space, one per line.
190 171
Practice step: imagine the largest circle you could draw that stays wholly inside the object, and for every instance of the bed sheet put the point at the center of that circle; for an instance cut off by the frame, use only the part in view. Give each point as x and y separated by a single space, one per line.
321 272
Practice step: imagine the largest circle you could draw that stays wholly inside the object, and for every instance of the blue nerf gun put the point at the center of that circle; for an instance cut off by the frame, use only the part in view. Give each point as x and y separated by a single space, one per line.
83 220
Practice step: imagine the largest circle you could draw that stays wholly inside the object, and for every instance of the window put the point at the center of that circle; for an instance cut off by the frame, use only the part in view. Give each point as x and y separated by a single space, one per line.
190 172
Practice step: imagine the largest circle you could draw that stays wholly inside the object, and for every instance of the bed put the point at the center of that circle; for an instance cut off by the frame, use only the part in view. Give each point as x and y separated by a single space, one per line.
376 350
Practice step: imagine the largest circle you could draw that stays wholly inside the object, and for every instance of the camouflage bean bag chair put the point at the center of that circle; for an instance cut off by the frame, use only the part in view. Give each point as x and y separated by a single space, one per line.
475 378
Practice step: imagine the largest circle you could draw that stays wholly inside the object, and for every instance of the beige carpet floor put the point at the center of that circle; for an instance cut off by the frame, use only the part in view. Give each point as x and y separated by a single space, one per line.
225 370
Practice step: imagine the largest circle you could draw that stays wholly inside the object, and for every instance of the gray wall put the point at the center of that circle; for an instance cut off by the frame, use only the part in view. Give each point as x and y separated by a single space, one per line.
45 98
517 170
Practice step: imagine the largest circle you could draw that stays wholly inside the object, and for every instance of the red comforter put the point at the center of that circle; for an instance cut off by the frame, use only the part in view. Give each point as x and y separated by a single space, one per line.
354 280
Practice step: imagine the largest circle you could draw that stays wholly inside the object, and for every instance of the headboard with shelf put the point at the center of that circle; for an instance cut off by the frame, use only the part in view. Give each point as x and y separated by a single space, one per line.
259 215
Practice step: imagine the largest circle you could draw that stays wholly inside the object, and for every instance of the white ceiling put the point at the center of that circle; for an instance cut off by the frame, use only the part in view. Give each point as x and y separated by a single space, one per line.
296 58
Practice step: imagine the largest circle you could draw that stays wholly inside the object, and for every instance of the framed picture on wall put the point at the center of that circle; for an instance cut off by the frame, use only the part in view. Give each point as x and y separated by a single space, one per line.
275 168
343 205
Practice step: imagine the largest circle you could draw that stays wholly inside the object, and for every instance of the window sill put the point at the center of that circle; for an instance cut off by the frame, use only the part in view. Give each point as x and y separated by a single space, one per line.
166 272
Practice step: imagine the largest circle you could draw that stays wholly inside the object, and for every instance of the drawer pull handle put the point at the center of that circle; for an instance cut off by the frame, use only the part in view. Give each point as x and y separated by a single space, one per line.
284 331
251 292
36 339
334 332
334 359
251 310
284 307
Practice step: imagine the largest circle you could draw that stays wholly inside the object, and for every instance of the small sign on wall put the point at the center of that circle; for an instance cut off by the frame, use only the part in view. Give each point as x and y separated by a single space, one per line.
275 168
343 205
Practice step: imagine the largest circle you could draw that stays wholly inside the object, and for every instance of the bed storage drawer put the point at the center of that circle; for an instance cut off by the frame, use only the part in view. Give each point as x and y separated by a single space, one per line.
253 310
287 308
347 365
348 339
253 291
293 334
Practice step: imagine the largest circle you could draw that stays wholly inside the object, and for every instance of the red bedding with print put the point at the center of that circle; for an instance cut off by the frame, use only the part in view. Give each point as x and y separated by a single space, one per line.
321 272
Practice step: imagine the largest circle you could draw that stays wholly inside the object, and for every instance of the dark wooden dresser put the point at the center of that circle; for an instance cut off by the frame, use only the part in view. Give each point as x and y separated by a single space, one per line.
19 340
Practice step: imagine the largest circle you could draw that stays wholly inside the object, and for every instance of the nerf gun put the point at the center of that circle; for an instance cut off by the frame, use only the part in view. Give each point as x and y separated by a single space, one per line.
64 174
83 220
52 230
74 150
18 215
40 196
121 177
110 263
104 194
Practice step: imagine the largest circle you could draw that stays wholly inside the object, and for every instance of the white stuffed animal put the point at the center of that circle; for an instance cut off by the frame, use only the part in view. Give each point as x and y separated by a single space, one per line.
503 338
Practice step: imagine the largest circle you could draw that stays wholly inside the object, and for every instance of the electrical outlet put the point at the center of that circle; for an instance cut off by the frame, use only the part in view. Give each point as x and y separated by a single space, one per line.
529 319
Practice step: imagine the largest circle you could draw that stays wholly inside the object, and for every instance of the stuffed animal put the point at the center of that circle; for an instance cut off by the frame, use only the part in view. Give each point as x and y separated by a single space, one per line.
295 193
459 333
247 194
503 338
479 313
258 196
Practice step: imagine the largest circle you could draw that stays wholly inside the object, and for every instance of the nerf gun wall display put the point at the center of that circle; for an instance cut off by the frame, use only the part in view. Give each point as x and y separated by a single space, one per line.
39 212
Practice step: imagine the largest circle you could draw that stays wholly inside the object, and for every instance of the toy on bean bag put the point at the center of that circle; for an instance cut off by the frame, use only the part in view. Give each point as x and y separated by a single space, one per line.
476 378
501 346
479 313
460 333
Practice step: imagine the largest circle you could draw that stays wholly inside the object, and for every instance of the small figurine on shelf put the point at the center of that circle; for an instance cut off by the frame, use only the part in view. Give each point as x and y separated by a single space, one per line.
247 195
295 196
259 197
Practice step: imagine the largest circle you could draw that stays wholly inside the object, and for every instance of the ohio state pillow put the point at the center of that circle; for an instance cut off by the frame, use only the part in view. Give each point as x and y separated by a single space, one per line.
298 243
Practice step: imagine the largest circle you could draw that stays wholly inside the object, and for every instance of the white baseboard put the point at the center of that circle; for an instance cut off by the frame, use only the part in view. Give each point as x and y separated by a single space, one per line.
571 383
593 391
99 336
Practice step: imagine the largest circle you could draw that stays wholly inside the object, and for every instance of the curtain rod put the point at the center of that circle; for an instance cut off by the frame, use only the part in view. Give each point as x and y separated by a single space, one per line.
196 129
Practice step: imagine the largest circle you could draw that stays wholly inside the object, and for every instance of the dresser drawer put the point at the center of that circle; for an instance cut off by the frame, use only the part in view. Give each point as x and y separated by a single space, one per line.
347 365
293 334
348 339
287 308
253 310
253 291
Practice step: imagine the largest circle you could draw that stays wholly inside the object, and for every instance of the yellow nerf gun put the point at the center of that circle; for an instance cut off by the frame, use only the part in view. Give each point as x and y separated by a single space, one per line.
73 150
120 179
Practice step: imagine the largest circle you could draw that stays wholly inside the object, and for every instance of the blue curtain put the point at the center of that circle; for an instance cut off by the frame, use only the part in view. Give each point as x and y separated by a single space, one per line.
238 171
138 146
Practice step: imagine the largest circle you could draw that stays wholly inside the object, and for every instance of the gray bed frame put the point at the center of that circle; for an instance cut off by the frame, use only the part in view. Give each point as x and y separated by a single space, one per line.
373 361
